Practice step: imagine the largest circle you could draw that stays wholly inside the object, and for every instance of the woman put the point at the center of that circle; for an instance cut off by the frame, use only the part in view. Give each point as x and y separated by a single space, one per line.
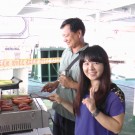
99 105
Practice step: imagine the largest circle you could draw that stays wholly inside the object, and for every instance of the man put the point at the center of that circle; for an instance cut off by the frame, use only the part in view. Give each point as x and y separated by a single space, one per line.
73 30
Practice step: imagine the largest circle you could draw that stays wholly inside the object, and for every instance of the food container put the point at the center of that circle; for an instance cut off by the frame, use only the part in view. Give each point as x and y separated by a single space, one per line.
10 84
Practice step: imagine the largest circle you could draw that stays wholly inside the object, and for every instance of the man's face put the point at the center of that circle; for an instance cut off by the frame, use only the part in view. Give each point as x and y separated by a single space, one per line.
70 38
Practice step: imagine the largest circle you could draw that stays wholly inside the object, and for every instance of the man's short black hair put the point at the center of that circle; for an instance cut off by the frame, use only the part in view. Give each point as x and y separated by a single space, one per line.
75 25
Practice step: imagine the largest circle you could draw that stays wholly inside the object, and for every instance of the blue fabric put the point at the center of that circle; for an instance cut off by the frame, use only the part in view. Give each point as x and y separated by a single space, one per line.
86 124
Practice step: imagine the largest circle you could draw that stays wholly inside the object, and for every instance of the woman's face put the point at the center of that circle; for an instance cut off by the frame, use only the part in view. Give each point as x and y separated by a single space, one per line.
93 70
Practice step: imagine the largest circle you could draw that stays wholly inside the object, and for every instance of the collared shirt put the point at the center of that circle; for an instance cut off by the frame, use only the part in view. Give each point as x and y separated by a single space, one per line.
68 94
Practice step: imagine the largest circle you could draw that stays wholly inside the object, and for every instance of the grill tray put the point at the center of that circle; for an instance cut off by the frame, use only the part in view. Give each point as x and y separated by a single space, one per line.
16 121
15 107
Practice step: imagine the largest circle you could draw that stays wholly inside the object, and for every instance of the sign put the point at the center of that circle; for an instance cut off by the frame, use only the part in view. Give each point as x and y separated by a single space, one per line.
18 63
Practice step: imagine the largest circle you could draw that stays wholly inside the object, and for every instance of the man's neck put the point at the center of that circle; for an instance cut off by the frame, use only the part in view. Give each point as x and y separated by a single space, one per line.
77 48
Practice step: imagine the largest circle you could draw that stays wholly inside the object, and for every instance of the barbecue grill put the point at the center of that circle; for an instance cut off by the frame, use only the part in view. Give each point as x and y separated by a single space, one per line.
16 120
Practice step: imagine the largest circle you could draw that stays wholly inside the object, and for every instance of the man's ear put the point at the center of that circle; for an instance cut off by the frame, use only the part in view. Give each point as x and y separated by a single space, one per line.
79 32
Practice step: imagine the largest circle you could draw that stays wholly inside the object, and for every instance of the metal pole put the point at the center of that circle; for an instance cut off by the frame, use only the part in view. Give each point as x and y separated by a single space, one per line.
134 104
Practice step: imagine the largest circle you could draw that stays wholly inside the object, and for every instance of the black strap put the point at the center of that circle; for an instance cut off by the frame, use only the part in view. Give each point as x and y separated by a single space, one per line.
72 63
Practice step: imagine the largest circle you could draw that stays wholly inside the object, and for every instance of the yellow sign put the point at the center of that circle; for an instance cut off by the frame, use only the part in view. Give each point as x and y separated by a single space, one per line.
18 63
14 63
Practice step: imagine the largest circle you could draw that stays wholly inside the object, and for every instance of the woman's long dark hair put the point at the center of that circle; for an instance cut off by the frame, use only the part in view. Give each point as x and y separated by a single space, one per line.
93 53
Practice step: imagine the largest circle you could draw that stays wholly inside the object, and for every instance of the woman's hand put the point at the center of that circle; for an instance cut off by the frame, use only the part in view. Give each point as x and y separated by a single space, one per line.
90 101
66 104
55 98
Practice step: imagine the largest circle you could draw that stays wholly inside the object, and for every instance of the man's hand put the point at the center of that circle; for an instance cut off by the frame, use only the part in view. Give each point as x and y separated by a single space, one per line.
65 81
49 87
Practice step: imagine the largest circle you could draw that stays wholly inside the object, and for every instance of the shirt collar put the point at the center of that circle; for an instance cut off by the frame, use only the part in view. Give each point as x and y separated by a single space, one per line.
81 49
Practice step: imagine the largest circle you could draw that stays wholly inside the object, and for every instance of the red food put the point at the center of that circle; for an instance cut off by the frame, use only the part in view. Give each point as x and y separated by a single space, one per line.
20 101
6 108
22 105
25 108
7 104
4 101
3 106
21 97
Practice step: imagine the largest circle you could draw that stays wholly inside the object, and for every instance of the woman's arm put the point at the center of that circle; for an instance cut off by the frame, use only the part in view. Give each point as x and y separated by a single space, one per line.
62 101
113 124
